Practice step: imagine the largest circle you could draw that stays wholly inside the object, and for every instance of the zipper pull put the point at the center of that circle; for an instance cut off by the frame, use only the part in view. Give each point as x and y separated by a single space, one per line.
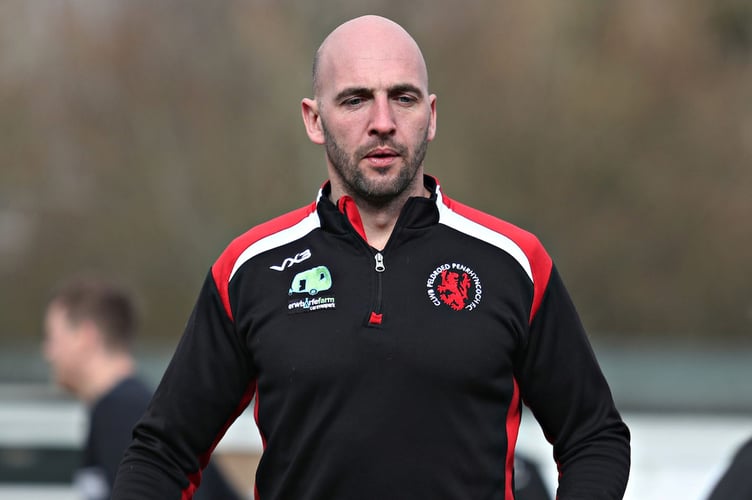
379 262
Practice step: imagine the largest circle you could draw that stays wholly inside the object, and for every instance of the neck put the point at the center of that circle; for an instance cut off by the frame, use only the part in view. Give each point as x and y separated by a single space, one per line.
379 219
379 223
102 373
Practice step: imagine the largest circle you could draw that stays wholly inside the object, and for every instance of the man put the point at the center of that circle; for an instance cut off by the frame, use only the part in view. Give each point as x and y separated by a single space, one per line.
388 333
89 327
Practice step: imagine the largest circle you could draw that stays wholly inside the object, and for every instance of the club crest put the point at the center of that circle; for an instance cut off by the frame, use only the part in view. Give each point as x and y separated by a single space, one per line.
454 285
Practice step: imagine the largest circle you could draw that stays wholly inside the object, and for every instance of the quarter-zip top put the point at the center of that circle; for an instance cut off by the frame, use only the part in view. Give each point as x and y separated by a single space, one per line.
396 373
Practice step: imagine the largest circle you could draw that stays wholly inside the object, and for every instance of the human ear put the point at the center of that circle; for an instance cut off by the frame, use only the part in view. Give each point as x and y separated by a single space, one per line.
432 122
312 120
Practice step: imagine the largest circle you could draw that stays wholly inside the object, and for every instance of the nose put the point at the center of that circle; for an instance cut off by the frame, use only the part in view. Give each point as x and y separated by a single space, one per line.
382 118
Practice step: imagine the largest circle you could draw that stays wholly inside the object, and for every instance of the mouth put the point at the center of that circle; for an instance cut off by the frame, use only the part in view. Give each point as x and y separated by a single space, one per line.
381 157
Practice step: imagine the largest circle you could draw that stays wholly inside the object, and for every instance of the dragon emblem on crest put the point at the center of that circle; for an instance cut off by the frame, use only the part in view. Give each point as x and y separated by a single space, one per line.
453 288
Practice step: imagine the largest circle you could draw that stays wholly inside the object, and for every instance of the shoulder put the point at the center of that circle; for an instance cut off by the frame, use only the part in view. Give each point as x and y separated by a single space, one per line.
521 244
263 237
126 401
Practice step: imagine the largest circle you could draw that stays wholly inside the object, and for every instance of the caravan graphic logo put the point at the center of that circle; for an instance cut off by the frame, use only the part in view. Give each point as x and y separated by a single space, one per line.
311 282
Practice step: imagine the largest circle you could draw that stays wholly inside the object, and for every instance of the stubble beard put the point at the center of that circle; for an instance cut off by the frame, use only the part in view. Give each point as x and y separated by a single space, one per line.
372 191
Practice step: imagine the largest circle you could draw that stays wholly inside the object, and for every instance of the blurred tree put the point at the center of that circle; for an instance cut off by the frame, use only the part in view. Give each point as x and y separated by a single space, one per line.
139 138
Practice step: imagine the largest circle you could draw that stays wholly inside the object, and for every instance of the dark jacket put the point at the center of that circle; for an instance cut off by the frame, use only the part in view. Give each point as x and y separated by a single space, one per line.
391 374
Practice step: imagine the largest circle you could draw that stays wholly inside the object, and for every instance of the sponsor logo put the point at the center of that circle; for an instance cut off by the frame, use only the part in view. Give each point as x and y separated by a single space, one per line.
454 285
291 261
311 304
310 283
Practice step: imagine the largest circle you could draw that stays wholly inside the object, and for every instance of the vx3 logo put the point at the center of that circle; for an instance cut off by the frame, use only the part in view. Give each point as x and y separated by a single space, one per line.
291 261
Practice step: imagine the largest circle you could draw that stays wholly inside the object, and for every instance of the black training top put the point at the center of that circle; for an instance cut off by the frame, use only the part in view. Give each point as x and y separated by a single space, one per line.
382 374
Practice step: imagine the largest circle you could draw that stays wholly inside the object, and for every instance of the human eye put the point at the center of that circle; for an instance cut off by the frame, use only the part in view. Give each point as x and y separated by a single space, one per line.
353 102
353 99
405 98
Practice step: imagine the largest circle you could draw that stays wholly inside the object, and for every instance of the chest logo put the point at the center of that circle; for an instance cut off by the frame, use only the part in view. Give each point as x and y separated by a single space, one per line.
309 284
291 261
454 285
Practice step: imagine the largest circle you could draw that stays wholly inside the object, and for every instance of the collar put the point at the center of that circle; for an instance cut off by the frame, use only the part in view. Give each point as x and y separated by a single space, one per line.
344 217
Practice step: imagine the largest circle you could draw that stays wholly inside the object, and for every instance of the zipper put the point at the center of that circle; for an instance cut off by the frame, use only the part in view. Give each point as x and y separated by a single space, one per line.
353 217
379 263
376 315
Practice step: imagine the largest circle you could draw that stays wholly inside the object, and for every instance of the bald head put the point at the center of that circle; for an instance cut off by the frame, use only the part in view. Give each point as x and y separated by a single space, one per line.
372 112
367 39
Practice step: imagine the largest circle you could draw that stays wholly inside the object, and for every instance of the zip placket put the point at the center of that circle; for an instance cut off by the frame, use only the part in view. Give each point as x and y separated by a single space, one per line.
376 315
347 206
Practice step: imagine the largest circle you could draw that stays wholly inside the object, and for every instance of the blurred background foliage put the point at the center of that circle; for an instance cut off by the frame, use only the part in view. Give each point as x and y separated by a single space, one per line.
138 138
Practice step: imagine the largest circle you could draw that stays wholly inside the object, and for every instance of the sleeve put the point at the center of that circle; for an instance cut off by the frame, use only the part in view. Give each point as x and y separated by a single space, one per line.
208 383
562 384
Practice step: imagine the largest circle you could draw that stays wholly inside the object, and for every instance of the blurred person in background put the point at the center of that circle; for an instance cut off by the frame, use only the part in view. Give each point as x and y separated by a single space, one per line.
388 333
89 328
736 481
528 482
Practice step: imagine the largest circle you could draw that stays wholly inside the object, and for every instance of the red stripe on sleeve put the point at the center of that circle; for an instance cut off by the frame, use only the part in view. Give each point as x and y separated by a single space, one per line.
513 428
222 268
195 478
540 262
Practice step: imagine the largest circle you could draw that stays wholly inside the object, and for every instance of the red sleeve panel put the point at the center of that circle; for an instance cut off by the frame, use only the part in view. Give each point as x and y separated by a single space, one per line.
199 397
520 244
196 401
259 239
556 370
